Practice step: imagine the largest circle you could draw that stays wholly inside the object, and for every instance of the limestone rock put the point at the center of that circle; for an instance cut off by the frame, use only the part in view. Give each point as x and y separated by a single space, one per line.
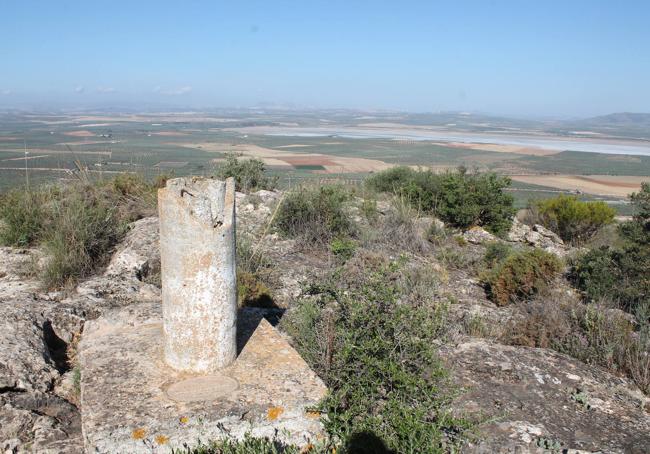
32 355
36 328
384 206
25 362
537 236
131 401
138 252
125 278
14 267
478 235
38 422
518 231
254 211
267 197
527 394
546 233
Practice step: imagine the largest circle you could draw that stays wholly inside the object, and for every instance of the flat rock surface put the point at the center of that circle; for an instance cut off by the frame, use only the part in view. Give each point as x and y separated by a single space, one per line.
14 265
37 393
132 401
531 396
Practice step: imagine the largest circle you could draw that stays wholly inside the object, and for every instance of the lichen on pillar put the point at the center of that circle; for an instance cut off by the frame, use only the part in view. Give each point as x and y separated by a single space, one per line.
199 288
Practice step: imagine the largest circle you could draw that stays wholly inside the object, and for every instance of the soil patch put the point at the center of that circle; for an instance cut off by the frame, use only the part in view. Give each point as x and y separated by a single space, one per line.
82 133
607 185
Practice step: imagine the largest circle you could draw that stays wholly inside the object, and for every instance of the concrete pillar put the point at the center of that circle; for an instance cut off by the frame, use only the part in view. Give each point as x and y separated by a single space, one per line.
199 286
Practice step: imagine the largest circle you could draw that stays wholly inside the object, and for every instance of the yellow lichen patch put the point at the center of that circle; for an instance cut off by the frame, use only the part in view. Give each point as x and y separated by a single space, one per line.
139 434
313 414
183 419
274 413
161 439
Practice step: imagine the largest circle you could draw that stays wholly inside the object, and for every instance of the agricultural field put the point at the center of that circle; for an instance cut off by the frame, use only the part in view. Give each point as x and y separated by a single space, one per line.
324 146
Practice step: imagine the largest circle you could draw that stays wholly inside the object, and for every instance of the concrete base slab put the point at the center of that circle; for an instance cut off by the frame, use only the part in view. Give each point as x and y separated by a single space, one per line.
132 402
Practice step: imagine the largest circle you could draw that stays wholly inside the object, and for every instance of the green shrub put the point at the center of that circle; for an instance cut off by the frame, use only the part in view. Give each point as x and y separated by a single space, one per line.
343 248
249 174
460 198
641 202
253 274
469 199
248 445
129 184
21 217
520 275
391 180
369 209
620 274
476 326
134 196
252 292
76 381
77 223
453 255
83 227
398 230
249 257
590 333
460 240
315 215
572 219
598 273
496 252
436 234
372 339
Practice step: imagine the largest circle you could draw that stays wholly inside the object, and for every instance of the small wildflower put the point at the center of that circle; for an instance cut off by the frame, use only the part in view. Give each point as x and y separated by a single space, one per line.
162 439
274 413
183 419
139 434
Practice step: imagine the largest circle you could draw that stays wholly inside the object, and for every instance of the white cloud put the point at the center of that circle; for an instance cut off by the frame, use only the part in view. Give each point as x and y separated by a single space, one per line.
106 90
79 89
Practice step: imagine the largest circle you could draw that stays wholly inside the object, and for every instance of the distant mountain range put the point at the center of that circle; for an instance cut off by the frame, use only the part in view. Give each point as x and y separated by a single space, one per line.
641 119
622 124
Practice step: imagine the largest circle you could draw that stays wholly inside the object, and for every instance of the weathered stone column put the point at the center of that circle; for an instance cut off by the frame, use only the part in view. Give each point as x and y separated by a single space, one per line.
199 288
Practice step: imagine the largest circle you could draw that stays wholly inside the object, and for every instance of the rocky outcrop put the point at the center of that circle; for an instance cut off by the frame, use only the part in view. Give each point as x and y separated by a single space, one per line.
33 418
37 389
530 398
291 267
537 236
526 398
138 254
478 235
40 423
129 274
15 267
133 403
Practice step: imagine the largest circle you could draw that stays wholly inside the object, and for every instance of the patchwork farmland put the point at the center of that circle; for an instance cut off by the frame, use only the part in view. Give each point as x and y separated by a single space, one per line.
37 148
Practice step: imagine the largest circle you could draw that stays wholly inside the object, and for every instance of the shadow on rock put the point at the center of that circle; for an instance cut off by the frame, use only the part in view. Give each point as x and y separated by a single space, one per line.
366 443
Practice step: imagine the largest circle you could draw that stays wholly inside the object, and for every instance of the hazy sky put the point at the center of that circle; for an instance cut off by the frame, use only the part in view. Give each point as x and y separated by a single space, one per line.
560 58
